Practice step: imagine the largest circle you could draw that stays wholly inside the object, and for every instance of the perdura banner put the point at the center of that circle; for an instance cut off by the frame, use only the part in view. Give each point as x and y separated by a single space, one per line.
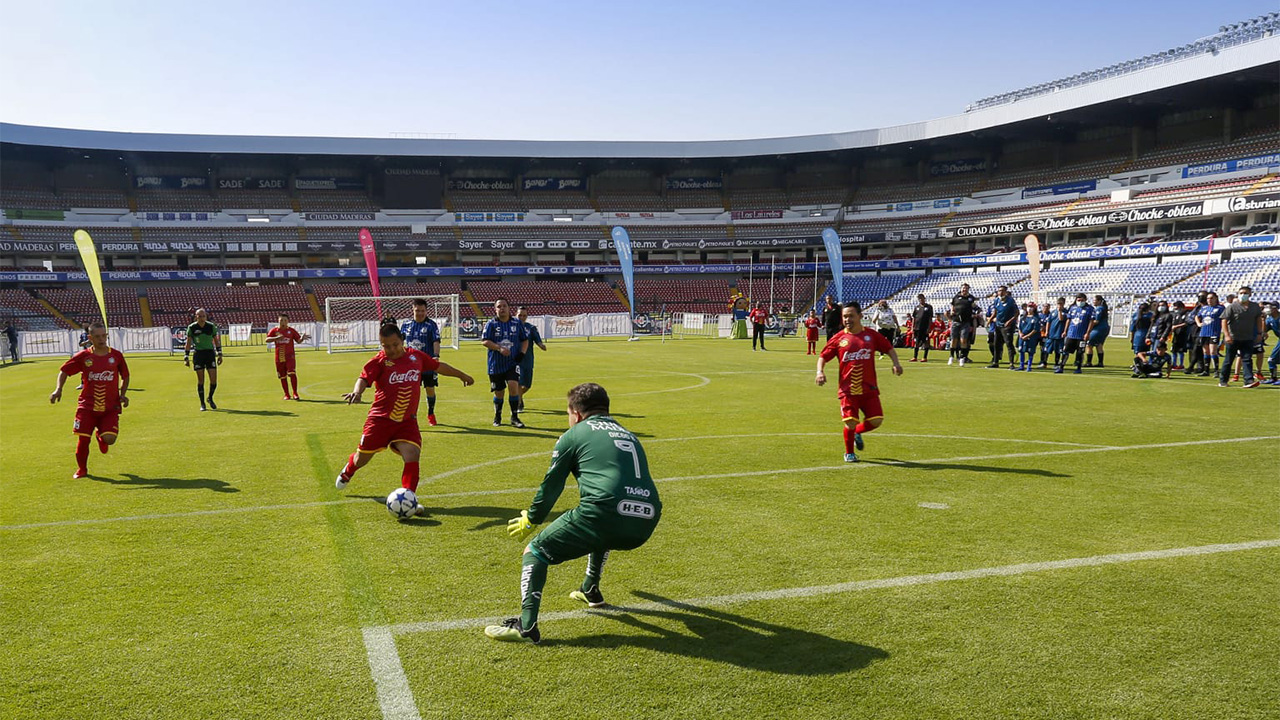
1226 166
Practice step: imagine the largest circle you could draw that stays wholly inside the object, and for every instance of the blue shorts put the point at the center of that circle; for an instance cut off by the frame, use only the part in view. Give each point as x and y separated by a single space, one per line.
1098 337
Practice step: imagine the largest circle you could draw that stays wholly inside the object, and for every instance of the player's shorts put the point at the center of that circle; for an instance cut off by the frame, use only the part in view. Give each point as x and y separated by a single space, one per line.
1029 345
811 334
961 332
572 536
1259 347
1098 337
525 373
869 405
380 432
921 337
498 381
204 360
430 379
286 367
1209 339
87 421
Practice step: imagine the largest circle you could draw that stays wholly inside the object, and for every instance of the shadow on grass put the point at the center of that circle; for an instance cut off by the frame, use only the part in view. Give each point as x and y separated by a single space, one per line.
504 431
322 402
492 517
892 462
736 640
143 483
259 413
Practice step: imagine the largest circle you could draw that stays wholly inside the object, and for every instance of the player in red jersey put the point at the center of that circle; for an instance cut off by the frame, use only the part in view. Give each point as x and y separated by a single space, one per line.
393 418
759 321
856 348
284 338
811 325
104 393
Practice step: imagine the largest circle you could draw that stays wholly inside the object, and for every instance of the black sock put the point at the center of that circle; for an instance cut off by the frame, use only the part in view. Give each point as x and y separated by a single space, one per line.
200 392
1099 357
497 407
431 404
513 402
212 388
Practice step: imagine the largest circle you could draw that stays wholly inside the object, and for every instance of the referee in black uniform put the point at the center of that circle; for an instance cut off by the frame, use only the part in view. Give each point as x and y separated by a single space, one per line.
831 318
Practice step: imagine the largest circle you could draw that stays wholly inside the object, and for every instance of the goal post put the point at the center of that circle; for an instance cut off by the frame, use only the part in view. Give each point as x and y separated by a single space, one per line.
351 323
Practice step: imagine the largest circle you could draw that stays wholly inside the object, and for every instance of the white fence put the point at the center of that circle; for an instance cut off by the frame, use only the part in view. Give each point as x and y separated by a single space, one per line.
50 343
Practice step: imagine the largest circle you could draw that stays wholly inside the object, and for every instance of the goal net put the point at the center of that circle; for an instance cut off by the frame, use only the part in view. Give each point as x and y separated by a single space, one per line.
351 323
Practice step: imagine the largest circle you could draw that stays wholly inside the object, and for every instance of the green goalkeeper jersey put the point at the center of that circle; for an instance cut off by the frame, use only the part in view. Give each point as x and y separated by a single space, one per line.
611 469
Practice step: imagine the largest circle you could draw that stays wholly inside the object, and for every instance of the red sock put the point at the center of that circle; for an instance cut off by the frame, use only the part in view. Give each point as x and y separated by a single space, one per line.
351 468
863 428
82 453
848 439
284 385
294 379
409 479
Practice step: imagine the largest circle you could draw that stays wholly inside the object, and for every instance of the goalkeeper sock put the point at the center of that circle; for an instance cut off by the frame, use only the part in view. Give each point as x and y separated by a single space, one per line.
82 453
284 385
533 576
350 468
409 478
293 379
497 408
595 568
200 392
431 404
848 439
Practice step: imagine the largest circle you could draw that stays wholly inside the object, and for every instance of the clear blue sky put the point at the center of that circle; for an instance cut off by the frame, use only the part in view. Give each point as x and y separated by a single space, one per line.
559 70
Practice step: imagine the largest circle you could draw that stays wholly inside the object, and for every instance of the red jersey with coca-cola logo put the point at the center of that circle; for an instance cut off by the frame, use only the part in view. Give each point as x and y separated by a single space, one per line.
284 342
398 383
102 376
857 355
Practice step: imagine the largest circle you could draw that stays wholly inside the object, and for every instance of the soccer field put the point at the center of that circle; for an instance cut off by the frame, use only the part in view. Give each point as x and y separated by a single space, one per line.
1020 545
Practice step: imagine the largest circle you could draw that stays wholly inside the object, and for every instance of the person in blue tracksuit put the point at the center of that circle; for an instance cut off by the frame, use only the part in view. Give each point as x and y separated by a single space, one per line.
1101 329
1028 337
1056 316
1140 327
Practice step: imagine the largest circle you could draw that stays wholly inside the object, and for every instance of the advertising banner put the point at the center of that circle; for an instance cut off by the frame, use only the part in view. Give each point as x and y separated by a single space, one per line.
249 183
177 216
328 183
622 245
955 167
481 184
170 182
756 214
488 217
1083 186
339 217
695 183
832 240
1214 168
547 184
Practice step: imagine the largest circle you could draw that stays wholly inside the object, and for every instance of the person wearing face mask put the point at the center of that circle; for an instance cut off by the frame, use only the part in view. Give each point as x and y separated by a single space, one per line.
1181 331
1077 327
1005 322
1101 329
1053 317
1161 325
1140 327
1242 324
1209 319
1198 362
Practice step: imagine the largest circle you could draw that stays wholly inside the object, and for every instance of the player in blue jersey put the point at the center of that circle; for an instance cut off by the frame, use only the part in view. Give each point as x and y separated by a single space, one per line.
1004 310
1055 319
526 365
1029 330
1076 329
1140 327
1209 320
507 341
1272 325
423 334
1101 329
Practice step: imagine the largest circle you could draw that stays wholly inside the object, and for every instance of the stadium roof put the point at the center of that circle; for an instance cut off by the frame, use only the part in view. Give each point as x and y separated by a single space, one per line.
1189 69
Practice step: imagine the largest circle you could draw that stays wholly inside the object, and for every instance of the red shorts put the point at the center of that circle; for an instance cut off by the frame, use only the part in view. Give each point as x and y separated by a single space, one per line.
811 334
869 405
106 423
286 366
380 432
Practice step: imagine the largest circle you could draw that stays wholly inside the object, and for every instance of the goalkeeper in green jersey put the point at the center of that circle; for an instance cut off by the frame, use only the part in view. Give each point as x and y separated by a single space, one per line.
618 508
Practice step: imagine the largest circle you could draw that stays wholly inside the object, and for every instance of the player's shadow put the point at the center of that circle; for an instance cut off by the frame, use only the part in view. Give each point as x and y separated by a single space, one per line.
259 413
892 462
322 402
723 637
563 412
491 516
144 483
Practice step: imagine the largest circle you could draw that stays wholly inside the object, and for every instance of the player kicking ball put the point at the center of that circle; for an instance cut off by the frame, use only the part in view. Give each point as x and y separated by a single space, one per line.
103 394
856 349
285 338
618 508
396 371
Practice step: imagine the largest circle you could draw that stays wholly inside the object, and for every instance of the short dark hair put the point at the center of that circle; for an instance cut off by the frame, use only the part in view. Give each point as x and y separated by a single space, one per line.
284 315
1246 288
853 304
589 399
419 302
389 328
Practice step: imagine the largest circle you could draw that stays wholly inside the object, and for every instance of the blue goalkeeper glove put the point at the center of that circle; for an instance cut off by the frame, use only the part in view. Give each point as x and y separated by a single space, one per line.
520 527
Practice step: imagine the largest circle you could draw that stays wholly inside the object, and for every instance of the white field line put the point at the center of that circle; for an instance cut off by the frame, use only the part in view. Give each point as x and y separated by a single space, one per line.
854 586
712 476
395 697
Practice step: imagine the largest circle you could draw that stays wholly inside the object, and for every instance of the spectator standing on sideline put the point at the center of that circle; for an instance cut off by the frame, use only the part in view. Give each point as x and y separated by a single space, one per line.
1179 331
921 324
885 321
965 316
1272 325
1005 312
1101 329
1055 318
11 333
811 325
1209 318
831 319
1242 325
1198 362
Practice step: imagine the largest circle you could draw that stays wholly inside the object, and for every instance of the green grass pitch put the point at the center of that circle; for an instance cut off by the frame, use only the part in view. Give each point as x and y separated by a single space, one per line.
209 569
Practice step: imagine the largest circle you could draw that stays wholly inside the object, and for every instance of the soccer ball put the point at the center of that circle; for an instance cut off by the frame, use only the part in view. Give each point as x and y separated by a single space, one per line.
402 503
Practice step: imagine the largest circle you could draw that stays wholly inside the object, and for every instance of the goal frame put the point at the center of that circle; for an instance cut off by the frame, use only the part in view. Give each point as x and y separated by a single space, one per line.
449 335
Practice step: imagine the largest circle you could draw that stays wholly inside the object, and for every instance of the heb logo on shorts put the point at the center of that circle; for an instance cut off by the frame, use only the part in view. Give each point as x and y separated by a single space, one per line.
637 509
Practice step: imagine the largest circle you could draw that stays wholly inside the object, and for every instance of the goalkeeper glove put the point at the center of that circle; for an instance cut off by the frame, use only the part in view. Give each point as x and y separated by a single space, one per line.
520 527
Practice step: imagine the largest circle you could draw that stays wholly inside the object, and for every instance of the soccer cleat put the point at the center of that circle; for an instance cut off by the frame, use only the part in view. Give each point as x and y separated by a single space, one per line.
1057 371
850 458
203 408
992 366
102 445
591 597
431 420
1235 378
963 361
286 397
342 480
1253 384
951 360
419 511
857 441
1077 371
1089 364
497 422
925 360
1222 384
515 422
510 631
212 405
79 474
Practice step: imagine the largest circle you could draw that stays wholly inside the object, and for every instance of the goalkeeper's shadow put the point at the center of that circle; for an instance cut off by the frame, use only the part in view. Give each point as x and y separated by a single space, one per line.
724 637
